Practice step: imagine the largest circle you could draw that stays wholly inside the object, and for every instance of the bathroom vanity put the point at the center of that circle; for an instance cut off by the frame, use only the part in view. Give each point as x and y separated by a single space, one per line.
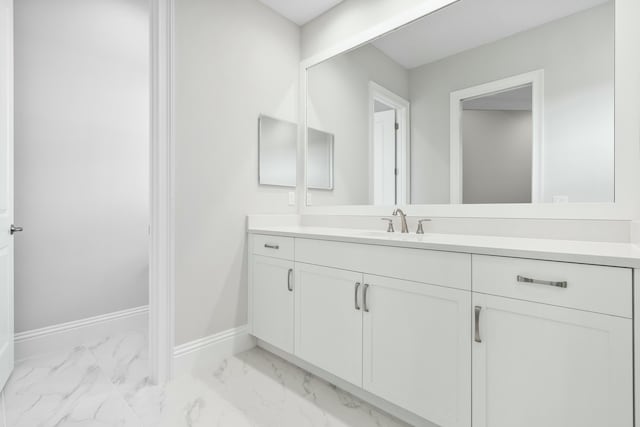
453 330
503 110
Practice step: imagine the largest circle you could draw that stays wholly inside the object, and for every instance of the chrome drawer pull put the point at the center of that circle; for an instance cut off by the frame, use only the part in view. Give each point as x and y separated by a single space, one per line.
270 246
523 279
477 310
289 285
364 298
356 296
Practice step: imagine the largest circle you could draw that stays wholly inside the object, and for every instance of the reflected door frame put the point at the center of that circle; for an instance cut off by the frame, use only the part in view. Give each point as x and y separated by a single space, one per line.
403 140
536 80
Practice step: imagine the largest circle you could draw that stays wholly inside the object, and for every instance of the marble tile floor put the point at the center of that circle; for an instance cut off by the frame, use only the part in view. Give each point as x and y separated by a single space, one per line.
106 383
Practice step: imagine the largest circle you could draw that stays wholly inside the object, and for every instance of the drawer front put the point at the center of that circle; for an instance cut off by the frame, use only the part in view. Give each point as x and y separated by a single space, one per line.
273 246
433 267
594 288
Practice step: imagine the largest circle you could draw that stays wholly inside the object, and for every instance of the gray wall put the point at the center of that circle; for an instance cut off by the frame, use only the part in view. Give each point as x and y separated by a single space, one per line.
577 55
496 156
234 60
81 158
339 103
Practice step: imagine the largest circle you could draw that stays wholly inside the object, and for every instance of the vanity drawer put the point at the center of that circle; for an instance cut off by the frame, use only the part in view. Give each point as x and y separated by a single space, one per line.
594 288
448 269
273 246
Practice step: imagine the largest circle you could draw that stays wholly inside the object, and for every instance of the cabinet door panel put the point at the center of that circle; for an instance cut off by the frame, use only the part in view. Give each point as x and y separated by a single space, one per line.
540 365
328 324
417 348
272 301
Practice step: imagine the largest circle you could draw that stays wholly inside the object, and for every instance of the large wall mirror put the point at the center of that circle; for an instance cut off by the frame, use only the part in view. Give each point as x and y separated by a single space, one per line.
480 102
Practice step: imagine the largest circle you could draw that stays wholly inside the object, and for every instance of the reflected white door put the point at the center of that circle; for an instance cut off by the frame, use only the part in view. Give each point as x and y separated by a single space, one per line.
384 158
6 190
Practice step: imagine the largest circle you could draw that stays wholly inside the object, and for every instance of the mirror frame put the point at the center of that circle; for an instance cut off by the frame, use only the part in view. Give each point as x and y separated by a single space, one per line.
627 133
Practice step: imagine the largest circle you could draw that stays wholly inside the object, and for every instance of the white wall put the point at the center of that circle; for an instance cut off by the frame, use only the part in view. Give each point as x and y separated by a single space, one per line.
348 19
234 60
81 158
577 55
338 103
496 156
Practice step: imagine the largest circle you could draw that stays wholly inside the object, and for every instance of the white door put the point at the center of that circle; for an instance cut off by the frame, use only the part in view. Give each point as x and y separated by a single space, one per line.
272 309
6 190
384 158
329 320
417 348
539 365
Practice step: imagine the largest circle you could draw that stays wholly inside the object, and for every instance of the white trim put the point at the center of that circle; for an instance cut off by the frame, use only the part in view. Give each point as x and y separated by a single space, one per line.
204 354
536 79
627 156
403 110
40 341
8 361
162 239
636 343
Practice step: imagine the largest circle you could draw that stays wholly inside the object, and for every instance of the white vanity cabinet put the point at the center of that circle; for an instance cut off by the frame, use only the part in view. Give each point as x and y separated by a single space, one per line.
556 353
406 342
417 343
271 297
328 320
541 365
451 339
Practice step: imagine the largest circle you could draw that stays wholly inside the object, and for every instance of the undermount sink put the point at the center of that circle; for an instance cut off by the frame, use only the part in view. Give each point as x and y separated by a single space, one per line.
387 235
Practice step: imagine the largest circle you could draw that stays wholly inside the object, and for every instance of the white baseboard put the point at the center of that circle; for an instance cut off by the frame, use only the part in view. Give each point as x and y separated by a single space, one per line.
36 342
205 354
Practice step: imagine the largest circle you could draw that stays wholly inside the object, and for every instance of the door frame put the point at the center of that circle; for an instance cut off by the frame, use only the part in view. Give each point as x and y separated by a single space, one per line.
162 191
9 82
403 139
536 80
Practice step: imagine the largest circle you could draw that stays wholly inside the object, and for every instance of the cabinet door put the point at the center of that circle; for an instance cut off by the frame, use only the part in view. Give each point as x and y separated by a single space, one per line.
417 348
272 301
540 365
329 320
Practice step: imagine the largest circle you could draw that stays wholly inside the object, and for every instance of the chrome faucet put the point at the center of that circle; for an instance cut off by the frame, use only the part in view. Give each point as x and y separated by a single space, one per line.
403 220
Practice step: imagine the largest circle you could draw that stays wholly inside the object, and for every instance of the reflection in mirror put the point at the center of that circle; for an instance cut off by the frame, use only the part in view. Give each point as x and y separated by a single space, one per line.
497 123
277 140
465 106
319 160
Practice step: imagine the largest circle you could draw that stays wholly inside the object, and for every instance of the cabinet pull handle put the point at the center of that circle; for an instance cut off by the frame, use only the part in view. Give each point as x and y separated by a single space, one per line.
356 296
289 285
523 279
477 310
270 246
365 291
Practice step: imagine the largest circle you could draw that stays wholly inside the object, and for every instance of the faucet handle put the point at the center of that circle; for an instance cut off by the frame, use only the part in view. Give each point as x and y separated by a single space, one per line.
420 229
390 227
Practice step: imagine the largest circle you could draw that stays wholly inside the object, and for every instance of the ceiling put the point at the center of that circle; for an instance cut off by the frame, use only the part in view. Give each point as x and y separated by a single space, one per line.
301 11
471 23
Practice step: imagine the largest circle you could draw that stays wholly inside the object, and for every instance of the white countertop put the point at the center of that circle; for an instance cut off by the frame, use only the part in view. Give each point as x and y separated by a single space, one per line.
601 253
